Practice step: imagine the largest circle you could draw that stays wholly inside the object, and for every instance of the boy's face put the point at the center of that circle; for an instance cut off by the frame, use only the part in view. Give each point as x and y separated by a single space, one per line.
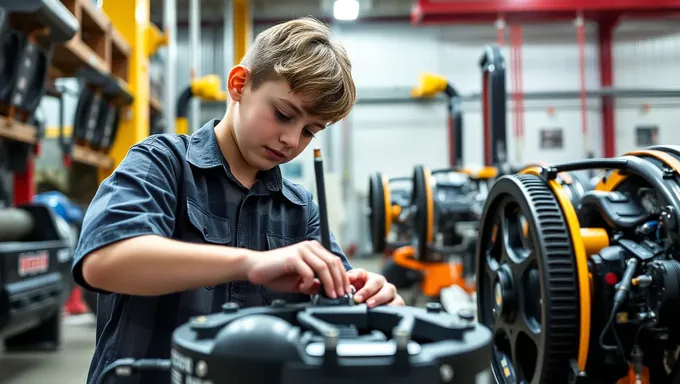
271 126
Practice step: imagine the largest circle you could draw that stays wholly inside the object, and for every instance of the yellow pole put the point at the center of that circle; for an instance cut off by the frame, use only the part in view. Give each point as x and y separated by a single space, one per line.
131 18
243 29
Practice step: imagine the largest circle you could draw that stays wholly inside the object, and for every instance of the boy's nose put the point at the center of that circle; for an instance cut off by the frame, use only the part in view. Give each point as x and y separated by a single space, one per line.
291 138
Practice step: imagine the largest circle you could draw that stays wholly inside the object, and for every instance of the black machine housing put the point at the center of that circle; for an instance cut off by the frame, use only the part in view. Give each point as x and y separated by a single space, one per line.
642 222
399 195
34 275
457 201
325 341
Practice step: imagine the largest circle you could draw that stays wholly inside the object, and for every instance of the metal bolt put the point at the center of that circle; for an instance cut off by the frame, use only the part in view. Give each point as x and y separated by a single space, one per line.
331 338
278 303
401 337
230 307
433 307
201 368
446 372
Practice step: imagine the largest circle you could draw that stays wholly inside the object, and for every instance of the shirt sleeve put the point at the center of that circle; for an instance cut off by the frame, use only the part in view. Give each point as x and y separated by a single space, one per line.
314 232
139 198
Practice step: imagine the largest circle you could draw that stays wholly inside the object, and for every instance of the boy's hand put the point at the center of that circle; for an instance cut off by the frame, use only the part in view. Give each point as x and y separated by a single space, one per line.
300 267
373 289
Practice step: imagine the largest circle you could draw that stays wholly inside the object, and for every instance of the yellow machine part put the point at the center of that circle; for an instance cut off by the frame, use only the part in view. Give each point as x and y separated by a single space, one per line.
429 85
387 200
154 39
483 173
182 125
208 88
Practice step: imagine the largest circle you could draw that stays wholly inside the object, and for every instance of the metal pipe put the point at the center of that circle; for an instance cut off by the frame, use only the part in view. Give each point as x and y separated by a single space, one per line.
169 93
605 39
195 52
393 95
581 37
228 35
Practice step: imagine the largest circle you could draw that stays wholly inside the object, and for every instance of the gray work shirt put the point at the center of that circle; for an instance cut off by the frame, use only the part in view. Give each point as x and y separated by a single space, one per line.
181 187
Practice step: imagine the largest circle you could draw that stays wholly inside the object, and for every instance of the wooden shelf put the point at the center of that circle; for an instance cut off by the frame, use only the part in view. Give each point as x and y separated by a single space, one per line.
155 104
120 52
87 156
97 45
75 54
18 131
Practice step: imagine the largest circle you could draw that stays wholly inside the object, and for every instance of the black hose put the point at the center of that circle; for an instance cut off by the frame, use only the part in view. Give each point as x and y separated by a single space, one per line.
127 367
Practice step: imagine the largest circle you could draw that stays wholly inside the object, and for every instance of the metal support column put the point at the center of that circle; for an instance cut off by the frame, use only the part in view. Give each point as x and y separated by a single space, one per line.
243 28
131 18
605 38
228 38
195 53
170 91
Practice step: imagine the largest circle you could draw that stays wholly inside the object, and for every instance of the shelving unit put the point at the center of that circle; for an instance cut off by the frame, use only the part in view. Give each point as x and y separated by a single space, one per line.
87 156
18 131
98 46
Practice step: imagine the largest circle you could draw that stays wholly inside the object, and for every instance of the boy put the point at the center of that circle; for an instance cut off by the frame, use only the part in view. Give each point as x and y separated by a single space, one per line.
187 223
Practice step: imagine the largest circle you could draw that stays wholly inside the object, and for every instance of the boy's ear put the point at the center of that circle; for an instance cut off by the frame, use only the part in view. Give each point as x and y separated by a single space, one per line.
236 82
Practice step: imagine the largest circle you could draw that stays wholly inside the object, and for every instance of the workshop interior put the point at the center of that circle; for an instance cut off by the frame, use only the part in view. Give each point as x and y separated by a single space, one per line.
531 227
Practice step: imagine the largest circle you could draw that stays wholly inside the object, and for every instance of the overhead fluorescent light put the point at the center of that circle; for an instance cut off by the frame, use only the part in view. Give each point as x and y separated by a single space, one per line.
346 9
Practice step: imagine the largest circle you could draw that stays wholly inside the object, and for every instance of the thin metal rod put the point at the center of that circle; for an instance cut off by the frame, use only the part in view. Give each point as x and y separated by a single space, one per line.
321 195
170 80
391 95
195 48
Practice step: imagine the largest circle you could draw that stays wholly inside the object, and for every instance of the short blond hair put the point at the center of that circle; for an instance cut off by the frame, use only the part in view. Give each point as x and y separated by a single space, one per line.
301 52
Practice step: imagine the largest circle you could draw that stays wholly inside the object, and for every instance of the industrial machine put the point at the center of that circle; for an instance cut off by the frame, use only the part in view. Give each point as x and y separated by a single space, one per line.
387 198
35 252
443 215
587 293
323 341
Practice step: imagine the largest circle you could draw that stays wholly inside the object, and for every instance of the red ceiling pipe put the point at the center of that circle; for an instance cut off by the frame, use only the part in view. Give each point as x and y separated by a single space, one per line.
472 7
515 81
605 39
581 37
520 82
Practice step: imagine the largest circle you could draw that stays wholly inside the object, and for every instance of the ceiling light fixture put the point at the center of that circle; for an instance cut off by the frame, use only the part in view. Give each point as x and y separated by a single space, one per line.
346 9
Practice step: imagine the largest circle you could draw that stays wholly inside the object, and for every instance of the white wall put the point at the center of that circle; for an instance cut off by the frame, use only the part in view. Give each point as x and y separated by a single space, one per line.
646 55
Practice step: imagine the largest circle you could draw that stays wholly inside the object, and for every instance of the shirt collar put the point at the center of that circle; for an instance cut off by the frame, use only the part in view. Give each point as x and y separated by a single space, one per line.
204 152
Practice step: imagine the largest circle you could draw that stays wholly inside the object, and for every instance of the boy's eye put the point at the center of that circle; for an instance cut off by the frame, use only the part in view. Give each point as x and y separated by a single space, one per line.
280 115
308 133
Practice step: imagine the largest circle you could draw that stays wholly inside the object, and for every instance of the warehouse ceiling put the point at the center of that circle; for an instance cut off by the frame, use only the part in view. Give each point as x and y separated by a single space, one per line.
275 10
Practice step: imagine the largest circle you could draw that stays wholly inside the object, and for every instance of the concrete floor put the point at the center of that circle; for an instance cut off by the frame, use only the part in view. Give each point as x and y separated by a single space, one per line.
71 363
67 366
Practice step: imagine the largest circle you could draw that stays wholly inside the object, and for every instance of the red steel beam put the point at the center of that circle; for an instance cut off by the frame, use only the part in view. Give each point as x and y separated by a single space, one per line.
605 38
442 11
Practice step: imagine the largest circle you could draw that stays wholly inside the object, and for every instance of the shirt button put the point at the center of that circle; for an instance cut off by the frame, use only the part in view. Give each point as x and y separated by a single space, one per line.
205 230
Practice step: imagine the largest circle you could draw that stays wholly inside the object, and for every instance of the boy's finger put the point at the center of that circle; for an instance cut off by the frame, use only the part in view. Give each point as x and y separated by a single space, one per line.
321 271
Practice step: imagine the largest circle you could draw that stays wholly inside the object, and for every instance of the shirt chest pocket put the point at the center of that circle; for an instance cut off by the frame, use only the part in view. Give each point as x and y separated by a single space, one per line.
275 241
208 228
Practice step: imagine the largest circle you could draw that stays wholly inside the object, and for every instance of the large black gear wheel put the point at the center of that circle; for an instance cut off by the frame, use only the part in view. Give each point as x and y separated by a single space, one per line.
527 283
